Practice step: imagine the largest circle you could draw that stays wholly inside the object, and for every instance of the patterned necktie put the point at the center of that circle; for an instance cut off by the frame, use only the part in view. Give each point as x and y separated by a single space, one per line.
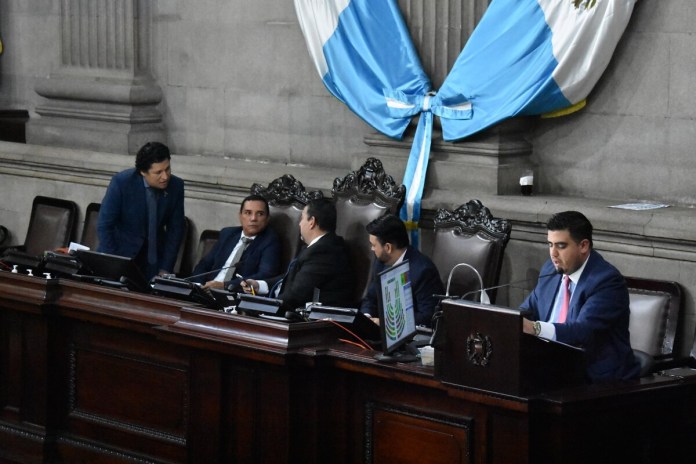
239 251
566 300
152 196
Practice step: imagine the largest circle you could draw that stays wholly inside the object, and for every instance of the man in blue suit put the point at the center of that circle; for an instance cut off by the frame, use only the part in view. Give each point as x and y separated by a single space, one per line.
142 213
593 313
252 250
390 245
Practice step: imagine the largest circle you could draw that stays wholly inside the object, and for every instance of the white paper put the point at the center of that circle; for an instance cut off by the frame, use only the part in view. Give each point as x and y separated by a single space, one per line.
640 206
76 246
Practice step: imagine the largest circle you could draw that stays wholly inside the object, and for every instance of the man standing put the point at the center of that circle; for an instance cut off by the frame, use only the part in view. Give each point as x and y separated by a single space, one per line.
323 265
585 304
252 250
142 213
390 245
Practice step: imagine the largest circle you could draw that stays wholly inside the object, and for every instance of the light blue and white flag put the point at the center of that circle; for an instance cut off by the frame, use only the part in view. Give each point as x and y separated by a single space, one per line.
360 48
531 57
525 57
363 53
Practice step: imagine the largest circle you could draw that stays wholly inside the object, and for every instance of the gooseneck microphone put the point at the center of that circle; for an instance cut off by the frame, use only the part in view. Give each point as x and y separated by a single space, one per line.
189 278
508 284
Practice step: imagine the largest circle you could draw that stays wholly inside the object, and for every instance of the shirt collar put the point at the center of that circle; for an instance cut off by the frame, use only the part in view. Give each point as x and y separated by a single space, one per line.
575 276
401 258
316 239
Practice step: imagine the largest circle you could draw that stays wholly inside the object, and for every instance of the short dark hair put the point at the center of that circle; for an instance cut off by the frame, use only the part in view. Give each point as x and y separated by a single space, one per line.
254 197
150 153
323 211
389 229
579 227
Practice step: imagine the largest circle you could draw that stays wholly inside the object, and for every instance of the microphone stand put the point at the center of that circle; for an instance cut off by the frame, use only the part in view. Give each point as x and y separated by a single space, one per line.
484 296
509 284
189 278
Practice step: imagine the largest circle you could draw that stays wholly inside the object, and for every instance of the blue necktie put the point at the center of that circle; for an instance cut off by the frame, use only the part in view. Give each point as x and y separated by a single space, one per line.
152 196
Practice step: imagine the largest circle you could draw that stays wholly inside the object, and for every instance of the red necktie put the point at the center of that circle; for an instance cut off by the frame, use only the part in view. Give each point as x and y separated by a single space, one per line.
566 299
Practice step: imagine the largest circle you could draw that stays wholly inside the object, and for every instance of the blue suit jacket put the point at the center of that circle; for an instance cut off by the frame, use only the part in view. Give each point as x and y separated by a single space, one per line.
597 317
122 224
259 261
425 281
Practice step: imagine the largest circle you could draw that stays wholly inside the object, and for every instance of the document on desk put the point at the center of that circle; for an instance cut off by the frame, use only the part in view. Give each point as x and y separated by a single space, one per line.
640 206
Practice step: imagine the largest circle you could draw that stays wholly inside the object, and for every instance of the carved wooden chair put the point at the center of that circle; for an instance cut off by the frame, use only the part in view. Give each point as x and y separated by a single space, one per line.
655 312
286 198
362 196
51 226
472 237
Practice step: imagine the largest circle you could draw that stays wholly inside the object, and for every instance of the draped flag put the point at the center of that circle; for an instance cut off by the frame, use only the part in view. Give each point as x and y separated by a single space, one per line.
530 57
525 57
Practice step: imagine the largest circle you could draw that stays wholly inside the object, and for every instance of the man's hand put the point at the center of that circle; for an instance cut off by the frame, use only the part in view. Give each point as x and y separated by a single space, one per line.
250 286
528 326
214 284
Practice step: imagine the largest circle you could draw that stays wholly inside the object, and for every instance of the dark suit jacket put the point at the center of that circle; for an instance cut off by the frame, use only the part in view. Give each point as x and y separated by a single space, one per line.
425 281
259 261
324 265
122 224
597 317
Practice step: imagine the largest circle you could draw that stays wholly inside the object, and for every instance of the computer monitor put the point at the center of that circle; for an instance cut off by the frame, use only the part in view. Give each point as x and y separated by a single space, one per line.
396 314
111 270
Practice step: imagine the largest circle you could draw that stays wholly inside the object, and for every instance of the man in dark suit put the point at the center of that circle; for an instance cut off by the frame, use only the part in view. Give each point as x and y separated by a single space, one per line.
593 313
390 245
251 250
142 213
324 264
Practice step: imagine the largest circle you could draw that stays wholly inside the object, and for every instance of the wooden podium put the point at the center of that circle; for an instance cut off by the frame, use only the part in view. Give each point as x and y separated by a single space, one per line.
483 347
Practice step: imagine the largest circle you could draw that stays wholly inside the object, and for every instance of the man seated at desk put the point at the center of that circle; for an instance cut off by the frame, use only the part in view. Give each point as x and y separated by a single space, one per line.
585 303
142 213
324 264
251 250
390 245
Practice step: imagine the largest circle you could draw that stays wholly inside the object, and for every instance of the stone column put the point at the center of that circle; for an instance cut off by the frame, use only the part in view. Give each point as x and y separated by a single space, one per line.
488 163
102 96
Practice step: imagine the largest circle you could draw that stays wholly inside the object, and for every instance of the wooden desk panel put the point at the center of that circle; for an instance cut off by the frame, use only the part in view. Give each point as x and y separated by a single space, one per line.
90 374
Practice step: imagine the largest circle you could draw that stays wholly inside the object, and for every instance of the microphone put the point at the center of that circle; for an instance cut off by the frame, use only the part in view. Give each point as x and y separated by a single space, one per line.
215 271
484 296
556 272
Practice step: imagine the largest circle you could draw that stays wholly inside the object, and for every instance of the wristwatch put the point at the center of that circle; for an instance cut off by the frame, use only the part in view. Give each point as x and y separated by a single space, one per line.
537 328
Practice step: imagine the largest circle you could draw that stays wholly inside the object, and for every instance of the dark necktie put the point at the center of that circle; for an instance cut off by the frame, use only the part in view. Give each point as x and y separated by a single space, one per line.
275 290
238 252
152 196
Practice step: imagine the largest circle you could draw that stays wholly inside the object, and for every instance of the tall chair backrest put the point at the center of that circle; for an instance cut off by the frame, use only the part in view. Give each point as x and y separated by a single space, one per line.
286 198
655 307
469 234
206 242
181 265
51 226
89 236
362 196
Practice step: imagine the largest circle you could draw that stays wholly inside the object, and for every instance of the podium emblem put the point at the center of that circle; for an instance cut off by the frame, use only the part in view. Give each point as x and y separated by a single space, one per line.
479 349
